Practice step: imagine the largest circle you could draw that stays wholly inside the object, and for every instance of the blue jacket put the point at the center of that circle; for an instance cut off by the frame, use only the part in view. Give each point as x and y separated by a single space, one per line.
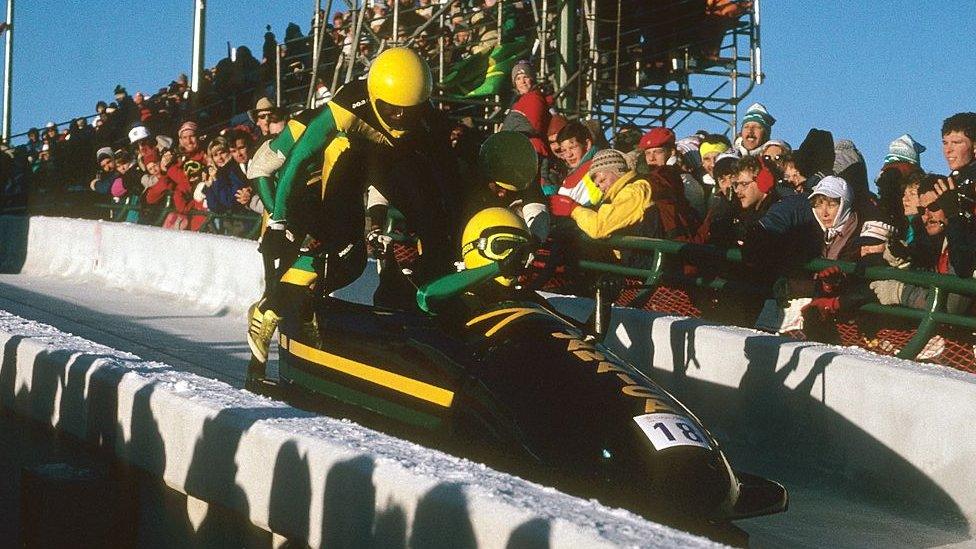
220 195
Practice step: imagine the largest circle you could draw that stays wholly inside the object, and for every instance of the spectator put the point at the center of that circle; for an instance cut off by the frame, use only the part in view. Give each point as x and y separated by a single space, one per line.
227 180
554 168
959 149
625 198
945 245
530 111
143 144
774 152
757 124
902 162
182 182
776 232
127 111
658 148
815 157
264 115
33 145
102 183
711 147
717 228
832 201
577 150
849 165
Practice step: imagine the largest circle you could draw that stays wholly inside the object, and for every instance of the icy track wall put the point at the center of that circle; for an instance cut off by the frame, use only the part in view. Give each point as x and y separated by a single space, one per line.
306 477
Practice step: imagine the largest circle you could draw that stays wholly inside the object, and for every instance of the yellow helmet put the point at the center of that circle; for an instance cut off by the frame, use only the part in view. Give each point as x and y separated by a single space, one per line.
492 235
398 79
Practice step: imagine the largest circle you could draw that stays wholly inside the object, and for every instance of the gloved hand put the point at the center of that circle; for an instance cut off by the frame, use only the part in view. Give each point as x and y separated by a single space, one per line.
515 262
275 240
378 242
830 279
562 205
824 307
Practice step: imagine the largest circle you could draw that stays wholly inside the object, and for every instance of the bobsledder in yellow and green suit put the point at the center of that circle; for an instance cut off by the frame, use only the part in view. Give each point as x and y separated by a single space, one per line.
359 136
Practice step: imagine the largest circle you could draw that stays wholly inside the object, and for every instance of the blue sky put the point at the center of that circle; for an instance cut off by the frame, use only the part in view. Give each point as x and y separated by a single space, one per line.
866 70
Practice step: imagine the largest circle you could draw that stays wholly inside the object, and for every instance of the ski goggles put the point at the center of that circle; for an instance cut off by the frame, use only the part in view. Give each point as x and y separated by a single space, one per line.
496 243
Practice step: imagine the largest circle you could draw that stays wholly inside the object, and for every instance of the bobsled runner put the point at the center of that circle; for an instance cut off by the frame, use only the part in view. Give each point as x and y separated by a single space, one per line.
532 390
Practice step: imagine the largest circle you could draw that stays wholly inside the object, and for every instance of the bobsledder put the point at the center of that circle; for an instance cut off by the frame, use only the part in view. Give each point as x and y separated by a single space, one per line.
492 371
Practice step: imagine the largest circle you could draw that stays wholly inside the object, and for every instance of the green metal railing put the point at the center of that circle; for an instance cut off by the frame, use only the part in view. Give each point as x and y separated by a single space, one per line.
929 319
120 210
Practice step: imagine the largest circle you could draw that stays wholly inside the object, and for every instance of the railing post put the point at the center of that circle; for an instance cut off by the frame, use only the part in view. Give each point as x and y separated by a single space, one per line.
280 52
926 328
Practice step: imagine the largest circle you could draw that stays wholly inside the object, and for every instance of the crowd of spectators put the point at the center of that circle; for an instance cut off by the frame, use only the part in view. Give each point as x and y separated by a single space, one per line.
177 157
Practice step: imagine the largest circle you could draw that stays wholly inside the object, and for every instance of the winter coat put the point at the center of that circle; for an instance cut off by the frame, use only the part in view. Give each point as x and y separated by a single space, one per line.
785 235
623 206
578 185
221 193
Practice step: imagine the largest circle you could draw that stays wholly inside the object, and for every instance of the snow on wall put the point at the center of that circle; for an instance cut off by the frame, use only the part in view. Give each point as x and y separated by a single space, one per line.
327 481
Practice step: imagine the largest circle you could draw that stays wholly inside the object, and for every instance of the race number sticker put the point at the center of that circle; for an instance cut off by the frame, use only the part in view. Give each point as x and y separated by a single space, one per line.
667 430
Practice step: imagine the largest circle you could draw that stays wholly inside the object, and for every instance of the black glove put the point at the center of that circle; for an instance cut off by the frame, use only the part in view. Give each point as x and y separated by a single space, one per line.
274 242
515 262
378 243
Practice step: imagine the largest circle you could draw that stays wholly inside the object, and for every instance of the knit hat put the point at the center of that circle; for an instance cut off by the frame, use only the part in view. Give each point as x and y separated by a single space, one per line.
904 149
688 144
119 89
874 233
523 67
137 133
846 155
188 126
658 136
556 123
778 143
757 113
816 153
104 152
608 159
712 147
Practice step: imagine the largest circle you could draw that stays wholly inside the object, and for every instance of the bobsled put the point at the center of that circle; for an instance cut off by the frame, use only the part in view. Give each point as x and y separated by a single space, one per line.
531 389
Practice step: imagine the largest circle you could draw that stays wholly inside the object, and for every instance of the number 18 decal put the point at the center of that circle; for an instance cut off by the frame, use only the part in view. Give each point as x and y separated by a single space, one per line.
667 430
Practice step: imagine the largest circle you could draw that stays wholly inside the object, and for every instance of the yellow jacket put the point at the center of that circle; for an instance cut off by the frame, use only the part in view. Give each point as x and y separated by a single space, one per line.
623 206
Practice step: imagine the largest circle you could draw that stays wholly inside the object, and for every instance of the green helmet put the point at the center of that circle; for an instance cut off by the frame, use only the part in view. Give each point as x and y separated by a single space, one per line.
509 160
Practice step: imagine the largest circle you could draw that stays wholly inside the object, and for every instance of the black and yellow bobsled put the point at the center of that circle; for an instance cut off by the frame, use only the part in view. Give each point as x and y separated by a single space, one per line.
529 387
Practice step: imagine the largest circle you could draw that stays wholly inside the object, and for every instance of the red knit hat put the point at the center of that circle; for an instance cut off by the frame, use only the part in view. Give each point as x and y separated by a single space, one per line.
658 136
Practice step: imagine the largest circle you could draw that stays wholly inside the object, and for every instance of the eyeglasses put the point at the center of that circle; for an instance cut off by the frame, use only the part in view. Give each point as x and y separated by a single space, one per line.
741 184
264 116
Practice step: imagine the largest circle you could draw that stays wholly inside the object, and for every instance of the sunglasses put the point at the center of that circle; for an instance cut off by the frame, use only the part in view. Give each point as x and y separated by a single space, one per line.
771 158
933 207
